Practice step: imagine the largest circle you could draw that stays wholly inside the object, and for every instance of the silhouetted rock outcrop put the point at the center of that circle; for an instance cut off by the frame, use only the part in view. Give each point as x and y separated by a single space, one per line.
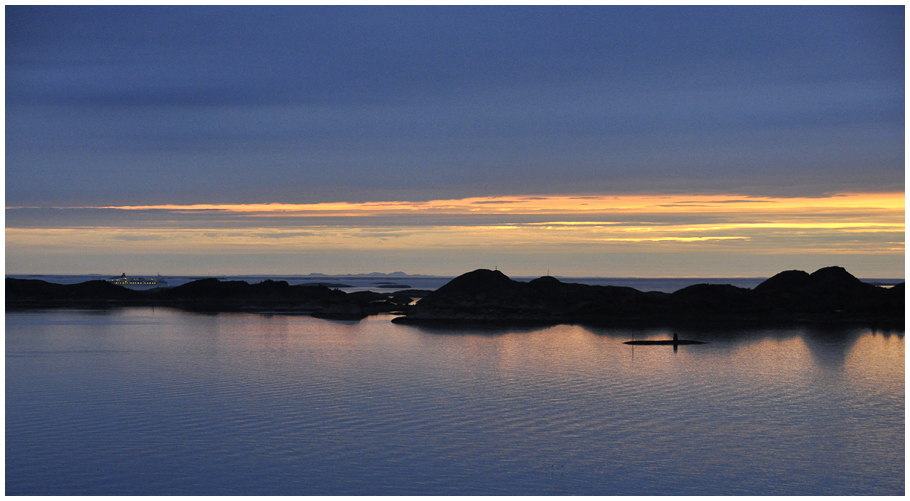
829 294
784 282
24 293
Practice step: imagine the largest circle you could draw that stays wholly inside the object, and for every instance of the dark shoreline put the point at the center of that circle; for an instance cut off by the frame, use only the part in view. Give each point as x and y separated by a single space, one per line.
211 296
827 296
489 298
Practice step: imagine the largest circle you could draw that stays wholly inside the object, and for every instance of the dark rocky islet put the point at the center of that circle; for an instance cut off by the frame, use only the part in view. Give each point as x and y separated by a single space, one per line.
664 342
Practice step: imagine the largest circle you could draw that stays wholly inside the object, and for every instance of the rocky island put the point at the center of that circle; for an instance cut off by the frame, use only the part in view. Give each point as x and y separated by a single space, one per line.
827 295
486 296
210 295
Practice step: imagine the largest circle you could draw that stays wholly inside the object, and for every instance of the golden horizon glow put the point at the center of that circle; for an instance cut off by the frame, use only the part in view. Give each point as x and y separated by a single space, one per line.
549 204
843 224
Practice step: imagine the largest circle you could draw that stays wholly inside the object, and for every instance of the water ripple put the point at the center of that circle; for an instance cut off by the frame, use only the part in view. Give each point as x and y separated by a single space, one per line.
163 403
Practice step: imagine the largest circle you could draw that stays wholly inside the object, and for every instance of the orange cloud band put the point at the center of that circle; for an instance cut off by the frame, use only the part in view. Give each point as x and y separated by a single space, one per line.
845 223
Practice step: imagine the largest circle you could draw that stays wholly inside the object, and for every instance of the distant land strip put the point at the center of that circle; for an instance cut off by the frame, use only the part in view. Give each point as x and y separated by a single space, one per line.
490 297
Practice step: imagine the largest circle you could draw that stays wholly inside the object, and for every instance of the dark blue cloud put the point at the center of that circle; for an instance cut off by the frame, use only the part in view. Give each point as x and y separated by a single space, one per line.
215 55
168 104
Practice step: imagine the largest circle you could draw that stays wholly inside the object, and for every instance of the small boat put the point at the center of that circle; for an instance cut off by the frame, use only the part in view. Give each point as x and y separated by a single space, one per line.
669 342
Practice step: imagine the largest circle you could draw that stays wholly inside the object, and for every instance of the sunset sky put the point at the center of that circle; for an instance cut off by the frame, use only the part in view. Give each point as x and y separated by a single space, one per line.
583 141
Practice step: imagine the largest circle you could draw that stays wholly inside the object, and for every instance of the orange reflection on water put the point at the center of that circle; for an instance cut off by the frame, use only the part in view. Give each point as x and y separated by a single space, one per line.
877 364
775 369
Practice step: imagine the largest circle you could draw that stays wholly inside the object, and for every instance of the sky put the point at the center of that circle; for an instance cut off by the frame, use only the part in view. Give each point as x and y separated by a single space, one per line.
579 141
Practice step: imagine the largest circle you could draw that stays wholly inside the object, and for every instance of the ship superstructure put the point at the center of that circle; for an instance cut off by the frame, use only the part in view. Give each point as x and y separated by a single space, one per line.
125 280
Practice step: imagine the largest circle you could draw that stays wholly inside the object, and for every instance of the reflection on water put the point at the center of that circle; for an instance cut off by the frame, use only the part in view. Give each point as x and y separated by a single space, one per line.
156 401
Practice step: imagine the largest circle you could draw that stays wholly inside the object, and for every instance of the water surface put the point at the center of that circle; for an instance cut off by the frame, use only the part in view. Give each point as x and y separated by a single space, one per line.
158 401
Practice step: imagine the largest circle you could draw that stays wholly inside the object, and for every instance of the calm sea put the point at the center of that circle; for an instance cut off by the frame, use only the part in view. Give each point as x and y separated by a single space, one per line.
158 401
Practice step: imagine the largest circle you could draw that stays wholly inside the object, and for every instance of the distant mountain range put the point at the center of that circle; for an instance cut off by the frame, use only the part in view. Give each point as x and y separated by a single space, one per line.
394 274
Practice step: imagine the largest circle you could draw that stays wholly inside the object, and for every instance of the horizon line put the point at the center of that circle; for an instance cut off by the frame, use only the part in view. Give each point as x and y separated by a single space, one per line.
427 275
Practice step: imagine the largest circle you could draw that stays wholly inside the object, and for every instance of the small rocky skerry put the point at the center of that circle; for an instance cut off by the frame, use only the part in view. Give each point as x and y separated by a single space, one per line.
490 297
664 342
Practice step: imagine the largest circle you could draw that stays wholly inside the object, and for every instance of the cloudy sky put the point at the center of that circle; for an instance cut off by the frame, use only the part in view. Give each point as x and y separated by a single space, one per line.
604 141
